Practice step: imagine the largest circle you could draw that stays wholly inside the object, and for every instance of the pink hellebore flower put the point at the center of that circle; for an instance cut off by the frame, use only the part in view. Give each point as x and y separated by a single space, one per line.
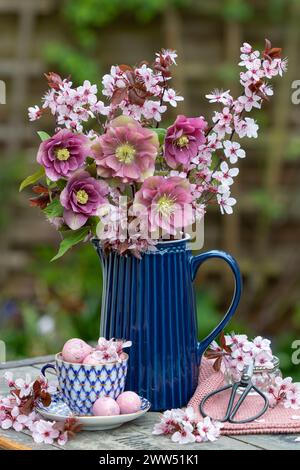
183 140
166 202
63 154
126 151
82 198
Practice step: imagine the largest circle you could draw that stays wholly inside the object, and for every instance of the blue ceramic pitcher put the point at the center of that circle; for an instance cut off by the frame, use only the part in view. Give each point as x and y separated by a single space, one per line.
151 302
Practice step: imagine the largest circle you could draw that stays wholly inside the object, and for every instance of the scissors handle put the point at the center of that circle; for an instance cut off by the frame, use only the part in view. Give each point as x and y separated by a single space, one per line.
234 411
210 395
232 408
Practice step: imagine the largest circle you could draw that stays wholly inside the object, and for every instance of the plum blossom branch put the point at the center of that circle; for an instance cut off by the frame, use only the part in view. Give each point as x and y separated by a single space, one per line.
160 171
17 410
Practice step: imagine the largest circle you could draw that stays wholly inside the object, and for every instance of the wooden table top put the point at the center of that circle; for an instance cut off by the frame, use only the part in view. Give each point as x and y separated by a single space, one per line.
132 436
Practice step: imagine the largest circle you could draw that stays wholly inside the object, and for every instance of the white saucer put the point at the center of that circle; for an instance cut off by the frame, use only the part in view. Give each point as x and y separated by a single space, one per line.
59 411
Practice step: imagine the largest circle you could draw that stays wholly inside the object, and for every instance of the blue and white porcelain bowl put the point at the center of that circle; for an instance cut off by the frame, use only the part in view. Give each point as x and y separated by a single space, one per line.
82 384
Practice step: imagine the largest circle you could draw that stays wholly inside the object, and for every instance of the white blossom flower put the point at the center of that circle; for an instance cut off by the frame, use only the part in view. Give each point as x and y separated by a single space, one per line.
225 175
171 97
233 151
226 202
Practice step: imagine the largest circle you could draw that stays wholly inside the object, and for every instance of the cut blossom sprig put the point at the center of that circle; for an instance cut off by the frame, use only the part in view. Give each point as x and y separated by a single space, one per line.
284 391
183 427
169 177
236 351
17 410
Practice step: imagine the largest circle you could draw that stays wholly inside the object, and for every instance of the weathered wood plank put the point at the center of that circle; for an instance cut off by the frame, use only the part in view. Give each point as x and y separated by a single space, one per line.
18 373
14 6
138 436
11 440
27 362
272 441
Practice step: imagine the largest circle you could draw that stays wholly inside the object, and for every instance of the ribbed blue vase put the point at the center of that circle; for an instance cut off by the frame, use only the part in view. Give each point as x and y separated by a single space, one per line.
151 302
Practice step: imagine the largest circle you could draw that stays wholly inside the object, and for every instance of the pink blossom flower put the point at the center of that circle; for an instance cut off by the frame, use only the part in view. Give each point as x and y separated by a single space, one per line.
14 420
225 201
246 48
9 377
165 202
283 384
88 92
250 100
167 423
168 55
183 139
208 430
261 344
184 435
34 113
240 359
127 151
44 432
220 96
264 359
153 110
233 151
24 385
171 97
246 127
225 175
62 438
62 154
82 198
292 400
270 69
281 65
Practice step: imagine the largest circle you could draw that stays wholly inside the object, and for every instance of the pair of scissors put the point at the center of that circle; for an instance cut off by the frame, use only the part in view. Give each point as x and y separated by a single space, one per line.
232 408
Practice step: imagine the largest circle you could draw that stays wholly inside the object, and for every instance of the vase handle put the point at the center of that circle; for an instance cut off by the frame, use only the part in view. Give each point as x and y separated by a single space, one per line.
195 263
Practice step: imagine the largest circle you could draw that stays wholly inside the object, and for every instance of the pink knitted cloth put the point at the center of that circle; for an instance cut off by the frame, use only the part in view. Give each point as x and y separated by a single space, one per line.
278 420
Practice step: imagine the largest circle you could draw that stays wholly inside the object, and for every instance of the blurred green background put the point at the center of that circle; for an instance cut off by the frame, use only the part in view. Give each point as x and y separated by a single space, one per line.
43 304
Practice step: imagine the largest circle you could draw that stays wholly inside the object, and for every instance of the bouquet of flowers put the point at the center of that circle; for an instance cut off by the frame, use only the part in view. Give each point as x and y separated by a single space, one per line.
112 170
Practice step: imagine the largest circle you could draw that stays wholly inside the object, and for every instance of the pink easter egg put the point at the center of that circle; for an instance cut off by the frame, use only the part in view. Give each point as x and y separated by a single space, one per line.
75 350
129 402
106 406
91 360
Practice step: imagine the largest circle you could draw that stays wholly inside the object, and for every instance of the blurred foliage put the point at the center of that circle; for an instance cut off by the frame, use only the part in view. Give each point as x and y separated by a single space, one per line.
237 10
65 304
272 208
12 170
86 17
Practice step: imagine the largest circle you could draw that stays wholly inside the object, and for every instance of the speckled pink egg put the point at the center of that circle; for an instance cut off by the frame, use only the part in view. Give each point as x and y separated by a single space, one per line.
91 360
75 350
129 402
106 406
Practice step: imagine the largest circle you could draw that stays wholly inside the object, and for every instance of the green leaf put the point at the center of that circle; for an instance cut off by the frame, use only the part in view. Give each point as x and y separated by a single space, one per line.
32 178
54 209
161 134
72 237
43 135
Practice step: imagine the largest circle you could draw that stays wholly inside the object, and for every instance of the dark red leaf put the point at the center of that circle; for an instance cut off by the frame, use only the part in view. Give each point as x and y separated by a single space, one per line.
46 398
40 201
119 95
40 189
125 68
27 406
54 80
217 364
